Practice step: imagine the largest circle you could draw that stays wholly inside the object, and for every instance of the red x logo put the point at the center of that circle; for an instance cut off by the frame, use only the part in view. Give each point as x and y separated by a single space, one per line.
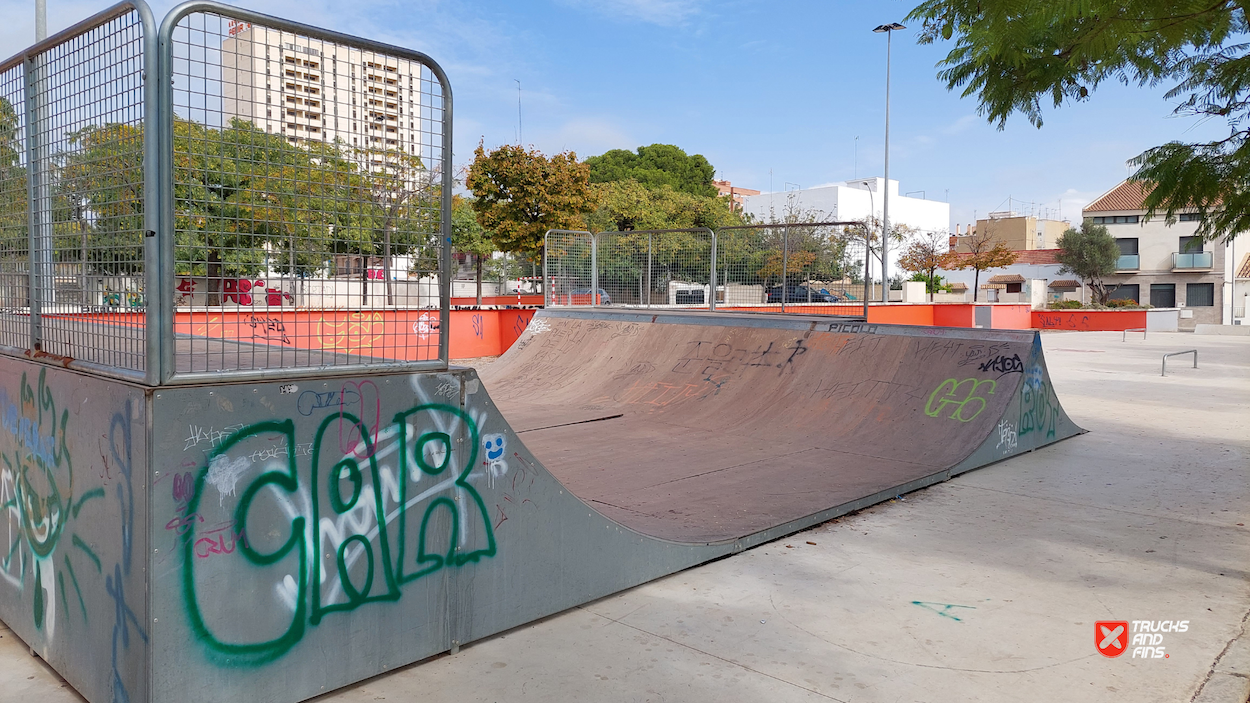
1111 637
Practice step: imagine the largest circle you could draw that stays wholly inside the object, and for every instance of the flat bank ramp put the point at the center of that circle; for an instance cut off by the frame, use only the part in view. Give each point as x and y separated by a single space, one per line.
701 428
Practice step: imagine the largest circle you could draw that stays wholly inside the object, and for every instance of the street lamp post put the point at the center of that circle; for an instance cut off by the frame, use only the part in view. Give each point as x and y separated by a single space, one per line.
885 209
41 20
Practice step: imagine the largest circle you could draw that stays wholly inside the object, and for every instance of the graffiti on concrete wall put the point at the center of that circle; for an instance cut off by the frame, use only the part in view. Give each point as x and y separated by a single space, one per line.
56 544
298 537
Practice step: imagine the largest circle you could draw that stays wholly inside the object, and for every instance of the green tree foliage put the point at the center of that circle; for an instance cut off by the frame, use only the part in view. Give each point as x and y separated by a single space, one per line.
1015 57
13 200
655 166
1091 254
244 199
984 252
520 194
925 254
469 237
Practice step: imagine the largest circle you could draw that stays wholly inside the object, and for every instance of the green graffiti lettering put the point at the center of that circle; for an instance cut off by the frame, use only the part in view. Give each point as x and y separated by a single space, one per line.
252 653
355 597
343 531
964 406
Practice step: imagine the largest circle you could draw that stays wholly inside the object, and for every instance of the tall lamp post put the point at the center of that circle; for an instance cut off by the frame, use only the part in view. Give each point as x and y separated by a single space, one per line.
885 209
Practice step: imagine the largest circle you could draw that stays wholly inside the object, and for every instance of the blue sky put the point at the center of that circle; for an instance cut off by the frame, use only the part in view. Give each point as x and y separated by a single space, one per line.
772 93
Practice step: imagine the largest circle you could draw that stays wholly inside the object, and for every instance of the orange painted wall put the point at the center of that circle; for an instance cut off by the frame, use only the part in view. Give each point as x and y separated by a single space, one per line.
1011 317
901 314
953 315
501 300
1089 320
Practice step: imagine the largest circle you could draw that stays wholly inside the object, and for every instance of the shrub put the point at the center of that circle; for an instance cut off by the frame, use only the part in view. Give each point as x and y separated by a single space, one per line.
1065 305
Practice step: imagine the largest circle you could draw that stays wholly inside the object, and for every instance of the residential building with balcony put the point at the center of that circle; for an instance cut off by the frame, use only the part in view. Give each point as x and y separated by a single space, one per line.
308 90
1160 264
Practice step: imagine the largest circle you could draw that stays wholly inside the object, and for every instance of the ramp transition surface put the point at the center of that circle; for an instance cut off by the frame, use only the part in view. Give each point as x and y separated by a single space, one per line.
710 427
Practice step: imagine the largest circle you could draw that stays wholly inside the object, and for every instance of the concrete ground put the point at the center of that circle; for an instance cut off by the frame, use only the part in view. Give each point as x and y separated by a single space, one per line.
984 588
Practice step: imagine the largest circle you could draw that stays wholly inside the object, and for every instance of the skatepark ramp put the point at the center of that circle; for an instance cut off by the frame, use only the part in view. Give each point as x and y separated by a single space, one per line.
211 494
292 537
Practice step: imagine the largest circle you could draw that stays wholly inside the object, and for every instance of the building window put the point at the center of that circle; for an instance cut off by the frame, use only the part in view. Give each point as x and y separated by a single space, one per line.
1190 245
1126 291
1200 295
1190 217
1015 287
1128 246
1117 220
1163 295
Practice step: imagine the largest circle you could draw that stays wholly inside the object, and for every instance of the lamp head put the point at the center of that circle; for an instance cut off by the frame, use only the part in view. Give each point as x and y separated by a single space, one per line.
889 27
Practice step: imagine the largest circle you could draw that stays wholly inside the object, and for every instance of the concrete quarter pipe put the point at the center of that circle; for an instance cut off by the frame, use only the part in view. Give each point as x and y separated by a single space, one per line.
273 541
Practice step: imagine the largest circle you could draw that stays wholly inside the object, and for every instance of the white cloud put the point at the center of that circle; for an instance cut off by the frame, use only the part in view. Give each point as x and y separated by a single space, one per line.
587 136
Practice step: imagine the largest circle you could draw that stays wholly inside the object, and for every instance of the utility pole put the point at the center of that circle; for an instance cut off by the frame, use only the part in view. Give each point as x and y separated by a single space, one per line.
889 30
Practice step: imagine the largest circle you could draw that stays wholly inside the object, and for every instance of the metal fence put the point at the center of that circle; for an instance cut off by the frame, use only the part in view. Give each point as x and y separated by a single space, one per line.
310 175
783 267
76 195
655 267
228 194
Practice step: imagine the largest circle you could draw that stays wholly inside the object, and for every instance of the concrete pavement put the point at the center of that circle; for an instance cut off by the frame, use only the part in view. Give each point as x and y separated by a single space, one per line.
984 588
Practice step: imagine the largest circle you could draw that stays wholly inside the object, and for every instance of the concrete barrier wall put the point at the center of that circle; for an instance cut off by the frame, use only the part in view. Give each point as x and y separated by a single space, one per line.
308 535
73 526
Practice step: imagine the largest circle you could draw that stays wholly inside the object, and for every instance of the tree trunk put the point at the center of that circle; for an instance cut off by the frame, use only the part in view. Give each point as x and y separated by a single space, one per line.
364 281
214 277
479 280
976 285
932 287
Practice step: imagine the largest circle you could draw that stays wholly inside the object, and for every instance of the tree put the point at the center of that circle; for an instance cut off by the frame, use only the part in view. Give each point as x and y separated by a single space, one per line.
468 236
1092 254
984 252
1013 55
520 194
925 254
654 166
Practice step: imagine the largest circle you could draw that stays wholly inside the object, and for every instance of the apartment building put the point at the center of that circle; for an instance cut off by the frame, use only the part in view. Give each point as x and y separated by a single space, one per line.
1160 264
309 90
1016 231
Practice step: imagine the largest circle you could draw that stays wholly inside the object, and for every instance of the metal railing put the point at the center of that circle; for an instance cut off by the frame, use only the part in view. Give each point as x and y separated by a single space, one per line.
1128 262
782 267
1124 336
1179 353
230 195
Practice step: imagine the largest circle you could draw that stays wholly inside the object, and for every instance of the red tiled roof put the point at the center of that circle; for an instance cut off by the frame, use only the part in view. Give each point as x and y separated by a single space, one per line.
1126 196
1007 278
1244 271
959 286
1065 283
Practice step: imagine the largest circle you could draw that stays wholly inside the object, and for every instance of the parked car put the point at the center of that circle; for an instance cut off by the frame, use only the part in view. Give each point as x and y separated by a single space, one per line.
801 294
581 296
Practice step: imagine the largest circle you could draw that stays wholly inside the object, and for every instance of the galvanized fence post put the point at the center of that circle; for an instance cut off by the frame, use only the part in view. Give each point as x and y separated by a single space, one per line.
594 271
649 253
711 301
785 260
36 192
